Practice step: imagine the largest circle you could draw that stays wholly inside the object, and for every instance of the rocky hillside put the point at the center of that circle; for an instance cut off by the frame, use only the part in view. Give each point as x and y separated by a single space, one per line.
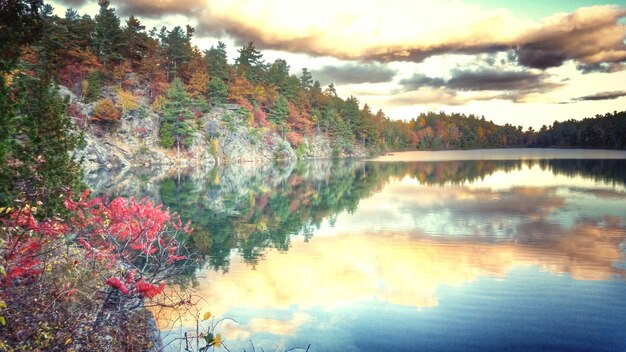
224 137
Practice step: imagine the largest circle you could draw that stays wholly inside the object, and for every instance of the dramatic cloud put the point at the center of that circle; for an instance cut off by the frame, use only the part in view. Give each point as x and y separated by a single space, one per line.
603 96
601 68
488 79
419 80
73 3
516 85
387 31
155 9
354 73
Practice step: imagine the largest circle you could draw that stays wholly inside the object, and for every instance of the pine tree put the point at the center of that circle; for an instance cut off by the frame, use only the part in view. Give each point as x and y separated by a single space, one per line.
280 113
216 61
177 47
107 37
177 116
306 79
250 63
136 40
218 91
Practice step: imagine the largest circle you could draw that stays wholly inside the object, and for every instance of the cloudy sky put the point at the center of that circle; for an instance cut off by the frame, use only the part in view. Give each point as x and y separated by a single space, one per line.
526 62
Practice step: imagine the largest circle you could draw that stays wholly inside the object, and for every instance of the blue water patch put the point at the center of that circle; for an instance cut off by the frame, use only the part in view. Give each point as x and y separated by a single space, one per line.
528 311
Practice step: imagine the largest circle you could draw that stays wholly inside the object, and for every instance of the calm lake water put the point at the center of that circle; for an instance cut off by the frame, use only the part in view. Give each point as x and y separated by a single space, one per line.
525 254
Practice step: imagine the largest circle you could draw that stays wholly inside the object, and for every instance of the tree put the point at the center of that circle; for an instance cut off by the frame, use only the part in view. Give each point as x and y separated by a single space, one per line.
306 79
218 91
21 25
107 34
128 101
199 84
177 115
177 47
250 63
280 113
136 41
216 61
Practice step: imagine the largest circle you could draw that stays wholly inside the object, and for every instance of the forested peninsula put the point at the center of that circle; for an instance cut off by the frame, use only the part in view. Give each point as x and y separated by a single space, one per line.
117 94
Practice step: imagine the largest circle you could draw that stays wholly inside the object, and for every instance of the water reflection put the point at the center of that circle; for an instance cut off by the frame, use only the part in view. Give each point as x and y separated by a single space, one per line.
249 208
292 251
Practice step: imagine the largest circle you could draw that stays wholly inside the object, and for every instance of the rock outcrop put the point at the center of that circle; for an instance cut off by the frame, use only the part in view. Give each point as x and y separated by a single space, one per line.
224 136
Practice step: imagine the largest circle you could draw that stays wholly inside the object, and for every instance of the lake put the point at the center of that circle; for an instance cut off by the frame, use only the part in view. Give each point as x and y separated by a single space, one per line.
520 250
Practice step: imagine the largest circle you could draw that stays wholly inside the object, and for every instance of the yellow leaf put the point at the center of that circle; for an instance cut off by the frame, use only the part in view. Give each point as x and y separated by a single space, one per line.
217 341
206 316
68 341
3 322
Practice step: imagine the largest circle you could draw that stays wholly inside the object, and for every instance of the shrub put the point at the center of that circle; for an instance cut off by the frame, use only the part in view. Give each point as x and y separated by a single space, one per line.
106 111
59 279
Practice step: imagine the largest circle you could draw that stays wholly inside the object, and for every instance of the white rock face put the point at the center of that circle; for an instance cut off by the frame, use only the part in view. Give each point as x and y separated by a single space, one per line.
223 137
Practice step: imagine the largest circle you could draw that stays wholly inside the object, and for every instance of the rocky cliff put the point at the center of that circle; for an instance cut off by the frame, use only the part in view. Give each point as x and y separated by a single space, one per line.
224 136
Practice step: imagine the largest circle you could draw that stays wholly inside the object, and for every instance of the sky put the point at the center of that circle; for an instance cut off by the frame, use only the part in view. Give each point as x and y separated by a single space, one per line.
527 63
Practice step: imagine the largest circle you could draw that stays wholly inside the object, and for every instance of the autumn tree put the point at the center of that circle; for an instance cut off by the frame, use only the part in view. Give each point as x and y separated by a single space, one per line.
106 111
128 101
199 84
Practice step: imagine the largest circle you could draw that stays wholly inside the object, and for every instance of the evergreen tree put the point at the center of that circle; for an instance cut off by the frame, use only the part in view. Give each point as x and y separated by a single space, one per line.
177 47
216 61
250 63
280 114
306 79
178 117
107 36
21 24
218 91
136 40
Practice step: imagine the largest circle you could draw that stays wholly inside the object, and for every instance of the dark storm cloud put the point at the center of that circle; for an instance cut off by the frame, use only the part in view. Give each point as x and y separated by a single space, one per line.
601 68
354 73
72 3
156 9
603 96
591 36
484 80
490 79
419 80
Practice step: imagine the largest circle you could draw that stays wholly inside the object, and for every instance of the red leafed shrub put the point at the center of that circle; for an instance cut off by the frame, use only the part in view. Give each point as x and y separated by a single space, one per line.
118 236
60 278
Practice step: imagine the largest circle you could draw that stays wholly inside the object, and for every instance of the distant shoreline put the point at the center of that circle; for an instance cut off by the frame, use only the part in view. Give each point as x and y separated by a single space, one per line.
502 154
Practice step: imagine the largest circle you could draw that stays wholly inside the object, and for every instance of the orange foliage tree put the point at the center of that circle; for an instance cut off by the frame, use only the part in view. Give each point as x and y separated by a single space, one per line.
106 111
